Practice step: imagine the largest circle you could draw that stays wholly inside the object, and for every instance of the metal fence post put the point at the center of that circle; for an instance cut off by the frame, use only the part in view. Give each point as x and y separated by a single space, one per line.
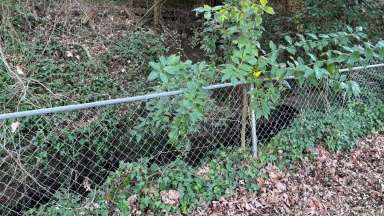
253 125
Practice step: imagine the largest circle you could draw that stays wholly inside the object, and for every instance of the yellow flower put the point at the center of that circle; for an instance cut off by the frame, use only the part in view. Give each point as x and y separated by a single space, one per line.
257 74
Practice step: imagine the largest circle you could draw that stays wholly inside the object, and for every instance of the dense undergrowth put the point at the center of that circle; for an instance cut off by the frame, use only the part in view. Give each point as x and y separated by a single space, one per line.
52 70
142 187
56 65
55 74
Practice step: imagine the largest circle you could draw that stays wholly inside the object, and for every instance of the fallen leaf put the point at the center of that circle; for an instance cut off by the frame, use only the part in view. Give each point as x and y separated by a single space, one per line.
202 171
87 183
19 70
170 197
68 54
14 126
280 186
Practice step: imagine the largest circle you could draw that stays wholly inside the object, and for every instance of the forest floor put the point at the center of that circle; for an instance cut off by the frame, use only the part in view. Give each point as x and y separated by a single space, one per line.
331 184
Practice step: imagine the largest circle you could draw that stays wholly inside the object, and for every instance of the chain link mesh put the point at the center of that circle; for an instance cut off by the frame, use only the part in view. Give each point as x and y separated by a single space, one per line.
75 151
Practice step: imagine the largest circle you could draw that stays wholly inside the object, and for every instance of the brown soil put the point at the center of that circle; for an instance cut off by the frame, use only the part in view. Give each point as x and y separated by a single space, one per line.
332 184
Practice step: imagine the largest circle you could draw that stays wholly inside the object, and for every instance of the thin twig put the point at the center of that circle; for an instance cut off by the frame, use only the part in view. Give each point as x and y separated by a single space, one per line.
149 11
13 75
11 155
16 159
86 50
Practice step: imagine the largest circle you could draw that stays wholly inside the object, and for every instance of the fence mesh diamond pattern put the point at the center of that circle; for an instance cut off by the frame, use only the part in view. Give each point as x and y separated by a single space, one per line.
75 151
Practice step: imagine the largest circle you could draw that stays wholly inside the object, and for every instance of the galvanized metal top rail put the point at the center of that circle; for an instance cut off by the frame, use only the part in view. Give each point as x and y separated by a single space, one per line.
104 103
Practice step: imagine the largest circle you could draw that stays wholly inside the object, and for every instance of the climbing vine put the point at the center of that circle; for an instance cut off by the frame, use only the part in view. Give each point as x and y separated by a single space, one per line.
238 26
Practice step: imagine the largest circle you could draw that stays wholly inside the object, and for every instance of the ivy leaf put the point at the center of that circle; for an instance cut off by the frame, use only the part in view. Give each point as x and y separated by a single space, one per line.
359 29
313 36
291 50
272 45
288 39
144 202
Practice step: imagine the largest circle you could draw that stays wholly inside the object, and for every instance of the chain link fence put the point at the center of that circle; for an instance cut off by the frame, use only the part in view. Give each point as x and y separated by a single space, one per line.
74 148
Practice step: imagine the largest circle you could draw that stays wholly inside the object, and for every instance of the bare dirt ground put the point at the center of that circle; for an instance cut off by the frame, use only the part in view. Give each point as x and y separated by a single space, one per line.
331 184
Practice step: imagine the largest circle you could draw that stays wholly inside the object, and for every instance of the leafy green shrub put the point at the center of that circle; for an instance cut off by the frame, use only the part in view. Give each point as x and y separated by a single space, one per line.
238 27
339 129
315 58
325 16
139 185
77 142
64 149
316 16
144 183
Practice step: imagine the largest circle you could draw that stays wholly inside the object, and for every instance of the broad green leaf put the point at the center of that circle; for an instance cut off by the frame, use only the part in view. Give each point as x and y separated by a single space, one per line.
269 10
355 88
263 2
155 66
331 68
153 75
163 77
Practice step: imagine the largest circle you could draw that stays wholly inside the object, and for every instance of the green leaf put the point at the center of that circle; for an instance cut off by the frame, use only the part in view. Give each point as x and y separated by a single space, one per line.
272 45
153 75
155 66
313 36
269 10
320 73
313 57
163 77
291 50
288 39
355 88
331 68
308 72
286 84
263 2
144 202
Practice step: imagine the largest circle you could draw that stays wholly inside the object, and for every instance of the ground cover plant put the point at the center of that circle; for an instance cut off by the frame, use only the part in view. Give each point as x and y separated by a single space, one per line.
144 188
82 51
